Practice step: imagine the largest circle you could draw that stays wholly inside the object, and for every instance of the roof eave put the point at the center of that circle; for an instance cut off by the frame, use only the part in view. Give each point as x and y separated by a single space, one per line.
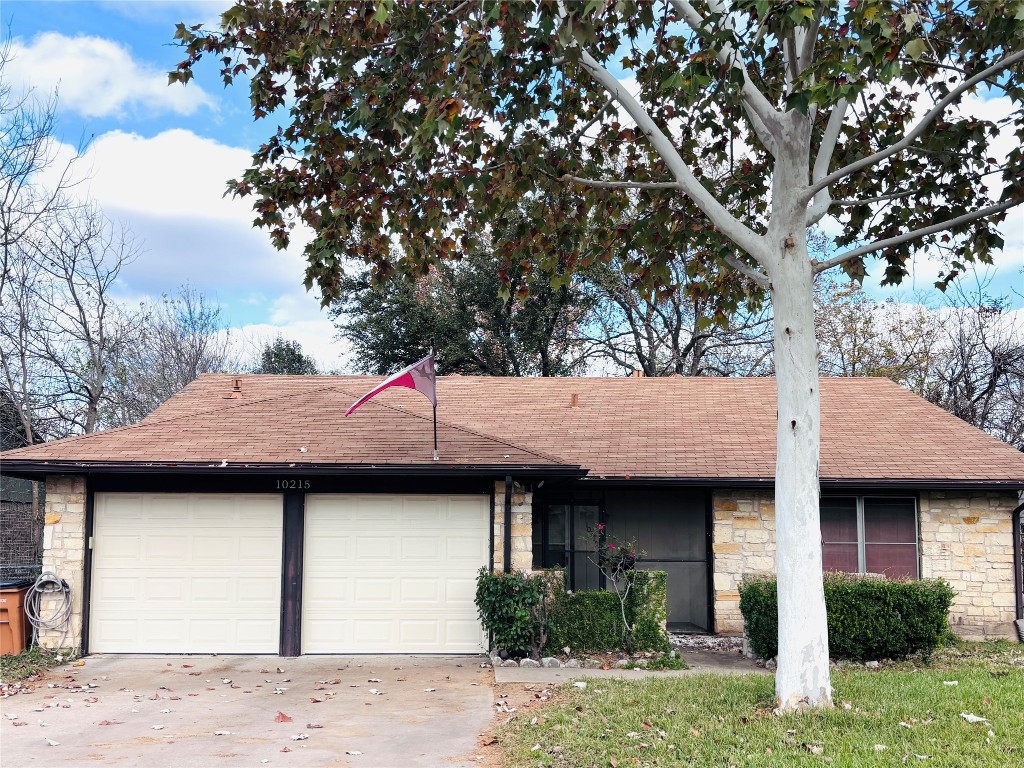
37 470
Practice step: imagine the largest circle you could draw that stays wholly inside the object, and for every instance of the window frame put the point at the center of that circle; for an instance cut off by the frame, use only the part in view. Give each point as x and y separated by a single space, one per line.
861 541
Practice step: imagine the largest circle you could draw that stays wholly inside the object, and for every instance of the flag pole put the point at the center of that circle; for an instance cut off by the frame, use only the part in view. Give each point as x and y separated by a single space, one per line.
436 457
435 434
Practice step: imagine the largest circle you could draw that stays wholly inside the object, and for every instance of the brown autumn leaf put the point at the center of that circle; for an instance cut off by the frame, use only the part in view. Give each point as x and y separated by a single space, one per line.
282 718
110 722
285 749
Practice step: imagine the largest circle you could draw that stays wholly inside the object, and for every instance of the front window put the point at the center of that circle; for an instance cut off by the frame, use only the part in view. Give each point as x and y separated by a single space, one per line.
870 534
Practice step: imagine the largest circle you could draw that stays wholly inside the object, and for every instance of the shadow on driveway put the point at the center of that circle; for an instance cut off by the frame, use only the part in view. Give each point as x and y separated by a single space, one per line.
202 711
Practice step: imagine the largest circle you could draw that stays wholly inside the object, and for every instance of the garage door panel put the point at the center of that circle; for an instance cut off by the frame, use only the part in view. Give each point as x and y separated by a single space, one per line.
408 589
198 573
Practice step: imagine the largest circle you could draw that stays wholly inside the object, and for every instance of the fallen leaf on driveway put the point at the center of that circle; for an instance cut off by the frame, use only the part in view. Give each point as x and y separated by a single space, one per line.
300 737
313 725
175 698
315 700
11 716
156 697
157 727
165 711
90 700
286 749
375 692
971 718
429 690
353 752
53 743
109 722
374 680
223 733
280 670
193 694
195 674
282 718
19 722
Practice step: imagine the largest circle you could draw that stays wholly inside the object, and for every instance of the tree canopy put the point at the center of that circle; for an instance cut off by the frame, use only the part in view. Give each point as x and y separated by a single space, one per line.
283 356
419 123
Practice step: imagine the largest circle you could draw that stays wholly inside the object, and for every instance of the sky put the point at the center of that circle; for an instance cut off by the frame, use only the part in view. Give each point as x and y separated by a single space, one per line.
157 158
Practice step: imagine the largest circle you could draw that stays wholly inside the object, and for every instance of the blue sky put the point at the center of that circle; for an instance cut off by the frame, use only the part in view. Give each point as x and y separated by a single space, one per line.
157 157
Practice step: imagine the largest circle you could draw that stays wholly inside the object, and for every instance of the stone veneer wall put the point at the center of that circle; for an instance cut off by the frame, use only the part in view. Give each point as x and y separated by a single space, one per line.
522 527
64 552
965 538
743 542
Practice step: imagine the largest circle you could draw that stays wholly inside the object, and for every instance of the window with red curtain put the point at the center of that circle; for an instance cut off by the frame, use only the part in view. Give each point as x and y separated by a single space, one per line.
890 537
869 534
839 545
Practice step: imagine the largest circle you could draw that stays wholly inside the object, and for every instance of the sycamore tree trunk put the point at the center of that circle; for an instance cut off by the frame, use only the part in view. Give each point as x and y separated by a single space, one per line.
802 677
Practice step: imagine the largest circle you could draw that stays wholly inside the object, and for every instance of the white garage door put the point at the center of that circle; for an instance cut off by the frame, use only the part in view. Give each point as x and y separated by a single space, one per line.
186 573
392 574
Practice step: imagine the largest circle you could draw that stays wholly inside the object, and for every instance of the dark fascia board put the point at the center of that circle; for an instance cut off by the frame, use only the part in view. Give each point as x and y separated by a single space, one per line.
827 484
37 470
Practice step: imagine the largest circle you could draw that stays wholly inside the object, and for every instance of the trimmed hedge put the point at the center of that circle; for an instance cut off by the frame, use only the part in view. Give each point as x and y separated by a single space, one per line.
868 618
592 621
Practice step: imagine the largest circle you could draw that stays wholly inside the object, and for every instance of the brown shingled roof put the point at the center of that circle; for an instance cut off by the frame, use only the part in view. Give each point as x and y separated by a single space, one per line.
676 427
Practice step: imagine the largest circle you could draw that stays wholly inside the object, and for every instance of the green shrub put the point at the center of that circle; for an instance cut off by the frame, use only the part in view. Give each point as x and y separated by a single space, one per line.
512 608
868 618
592 621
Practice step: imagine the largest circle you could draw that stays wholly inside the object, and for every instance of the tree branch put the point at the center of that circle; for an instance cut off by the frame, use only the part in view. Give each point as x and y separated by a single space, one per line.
763 116
724 221
823 200
821 266
746 270
917 130
602 184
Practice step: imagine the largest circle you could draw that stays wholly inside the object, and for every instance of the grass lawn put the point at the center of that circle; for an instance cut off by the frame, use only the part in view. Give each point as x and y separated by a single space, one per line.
723 720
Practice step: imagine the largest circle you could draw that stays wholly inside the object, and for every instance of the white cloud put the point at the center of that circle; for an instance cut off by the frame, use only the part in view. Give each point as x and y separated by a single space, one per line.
96 77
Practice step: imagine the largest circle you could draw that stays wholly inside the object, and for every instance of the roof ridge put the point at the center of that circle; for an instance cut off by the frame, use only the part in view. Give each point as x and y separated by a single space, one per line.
461 428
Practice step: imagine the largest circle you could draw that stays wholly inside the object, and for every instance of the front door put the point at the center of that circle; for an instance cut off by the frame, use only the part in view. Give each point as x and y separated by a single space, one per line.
569 529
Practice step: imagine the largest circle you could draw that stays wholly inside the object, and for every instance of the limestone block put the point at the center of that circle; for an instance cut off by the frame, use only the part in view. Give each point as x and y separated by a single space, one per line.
725 505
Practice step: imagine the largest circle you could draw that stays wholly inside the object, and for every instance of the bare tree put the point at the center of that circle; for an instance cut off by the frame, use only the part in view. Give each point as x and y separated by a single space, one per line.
179 337
84 332
980 374
27 149
660 334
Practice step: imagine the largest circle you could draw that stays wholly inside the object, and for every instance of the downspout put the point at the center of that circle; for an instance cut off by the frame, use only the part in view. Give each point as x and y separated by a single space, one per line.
508 524
1018 571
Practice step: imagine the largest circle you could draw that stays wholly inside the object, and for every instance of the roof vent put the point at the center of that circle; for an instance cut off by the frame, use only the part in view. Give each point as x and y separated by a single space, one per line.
574 400
236 390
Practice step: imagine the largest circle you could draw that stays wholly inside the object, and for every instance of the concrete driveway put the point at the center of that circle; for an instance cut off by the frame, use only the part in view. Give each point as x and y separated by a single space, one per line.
203 711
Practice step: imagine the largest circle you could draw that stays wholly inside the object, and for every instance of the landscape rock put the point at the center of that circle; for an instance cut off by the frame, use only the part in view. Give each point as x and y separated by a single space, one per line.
871 664
550 661
591 664
573 664
529 663
510 663
624 663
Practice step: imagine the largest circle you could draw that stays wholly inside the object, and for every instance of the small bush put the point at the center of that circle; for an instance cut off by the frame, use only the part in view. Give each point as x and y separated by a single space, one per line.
592 621
512 607
868 618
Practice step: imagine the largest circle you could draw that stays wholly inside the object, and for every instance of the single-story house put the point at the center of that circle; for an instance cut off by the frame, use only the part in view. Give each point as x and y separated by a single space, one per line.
248 515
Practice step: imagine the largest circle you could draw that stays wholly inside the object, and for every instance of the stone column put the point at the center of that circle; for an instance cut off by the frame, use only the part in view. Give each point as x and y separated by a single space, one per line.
743 542
522 527
64 554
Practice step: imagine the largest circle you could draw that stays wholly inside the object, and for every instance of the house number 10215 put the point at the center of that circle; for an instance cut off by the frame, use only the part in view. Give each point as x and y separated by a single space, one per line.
293 485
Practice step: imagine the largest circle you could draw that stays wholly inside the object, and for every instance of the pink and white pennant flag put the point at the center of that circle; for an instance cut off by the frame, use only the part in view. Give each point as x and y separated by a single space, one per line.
419 376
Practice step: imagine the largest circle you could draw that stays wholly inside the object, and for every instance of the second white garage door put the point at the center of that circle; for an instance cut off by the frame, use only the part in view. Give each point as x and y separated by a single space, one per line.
392 574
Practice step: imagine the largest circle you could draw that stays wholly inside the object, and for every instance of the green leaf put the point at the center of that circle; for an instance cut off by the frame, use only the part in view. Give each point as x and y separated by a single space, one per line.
916 49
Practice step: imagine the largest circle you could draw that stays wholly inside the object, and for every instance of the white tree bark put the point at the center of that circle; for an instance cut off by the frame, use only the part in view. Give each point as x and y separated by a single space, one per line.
802 678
